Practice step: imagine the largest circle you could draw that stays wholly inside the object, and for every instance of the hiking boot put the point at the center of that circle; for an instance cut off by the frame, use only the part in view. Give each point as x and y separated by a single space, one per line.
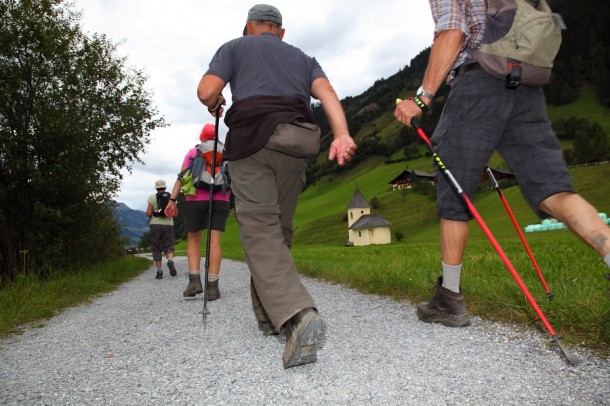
267 328
303 331
172 268
446 307
159 275
213 291
194 287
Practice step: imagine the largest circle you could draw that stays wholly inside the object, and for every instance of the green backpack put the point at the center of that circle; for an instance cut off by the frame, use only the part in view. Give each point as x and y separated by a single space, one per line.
520 42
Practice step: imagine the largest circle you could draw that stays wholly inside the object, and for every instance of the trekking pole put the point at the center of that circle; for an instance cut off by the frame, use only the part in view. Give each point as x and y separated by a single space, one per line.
205 310
460 192
495 185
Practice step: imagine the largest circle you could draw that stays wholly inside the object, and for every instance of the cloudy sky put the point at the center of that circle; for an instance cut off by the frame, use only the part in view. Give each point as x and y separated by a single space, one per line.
357 42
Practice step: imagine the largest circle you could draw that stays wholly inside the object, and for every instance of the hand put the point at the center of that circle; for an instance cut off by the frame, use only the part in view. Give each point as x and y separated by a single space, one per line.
171 211
217 108
343 148
405 111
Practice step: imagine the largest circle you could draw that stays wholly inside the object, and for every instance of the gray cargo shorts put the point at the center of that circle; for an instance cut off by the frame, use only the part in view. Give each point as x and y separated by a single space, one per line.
481 116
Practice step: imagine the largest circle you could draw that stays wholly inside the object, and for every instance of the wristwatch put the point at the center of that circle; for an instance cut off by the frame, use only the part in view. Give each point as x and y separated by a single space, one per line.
422 92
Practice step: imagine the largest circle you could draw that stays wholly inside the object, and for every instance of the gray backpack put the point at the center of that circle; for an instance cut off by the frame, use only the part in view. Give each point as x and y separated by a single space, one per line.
520 42
201 169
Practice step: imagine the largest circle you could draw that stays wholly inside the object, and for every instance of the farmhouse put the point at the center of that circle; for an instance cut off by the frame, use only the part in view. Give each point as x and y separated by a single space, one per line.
365 228
406 179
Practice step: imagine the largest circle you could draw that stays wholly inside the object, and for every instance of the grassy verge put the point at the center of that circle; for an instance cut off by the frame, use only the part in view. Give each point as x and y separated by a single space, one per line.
29 300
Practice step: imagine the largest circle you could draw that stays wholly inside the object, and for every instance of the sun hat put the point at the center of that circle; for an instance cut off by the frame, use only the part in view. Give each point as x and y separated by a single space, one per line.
160 184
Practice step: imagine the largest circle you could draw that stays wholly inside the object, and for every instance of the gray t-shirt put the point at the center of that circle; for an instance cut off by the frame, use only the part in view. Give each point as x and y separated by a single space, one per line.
264 65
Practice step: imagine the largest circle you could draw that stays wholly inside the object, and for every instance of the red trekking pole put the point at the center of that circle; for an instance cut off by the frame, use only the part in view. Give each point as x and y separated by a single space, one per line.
495 185
460 192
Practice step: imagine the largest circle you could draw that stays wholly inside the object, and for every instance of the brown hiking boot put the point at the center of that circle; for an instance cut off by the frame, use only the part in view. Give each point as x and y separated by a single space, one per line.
267 328
303 331
213 291
446 307
172 268
194 287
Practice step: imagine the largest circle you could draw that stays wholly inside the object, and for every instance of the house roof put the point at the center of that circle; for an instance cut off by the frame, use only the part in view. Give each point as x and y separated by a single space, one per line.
408 176
370 221
358 201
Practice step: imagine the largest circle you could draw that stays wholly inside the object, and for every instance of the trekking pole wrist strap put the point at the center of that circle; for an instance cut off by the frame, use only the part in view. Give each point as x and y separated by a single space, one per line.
423 106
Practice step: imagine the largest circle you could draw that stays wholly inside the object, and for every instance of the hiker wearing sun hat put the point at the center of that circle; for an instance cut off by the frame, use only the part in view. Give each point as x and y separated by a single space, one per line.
161 229
196 212
272 83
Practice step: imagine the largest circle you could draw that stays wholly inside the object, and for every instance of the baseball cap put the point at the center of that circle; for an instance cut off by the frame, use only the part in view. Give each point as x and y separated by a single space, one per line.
264 12
160 184
208 132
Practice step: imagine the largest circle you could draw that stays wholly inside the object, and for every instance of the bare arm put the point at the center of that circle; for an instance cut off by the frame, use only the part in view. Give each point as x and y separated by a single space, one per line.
171 209
343 146
149 210
445 50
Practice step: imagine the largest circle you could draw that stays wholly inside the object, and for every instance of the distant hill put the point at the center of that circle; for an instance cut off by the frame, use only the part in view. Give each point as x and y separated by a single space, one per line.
133 223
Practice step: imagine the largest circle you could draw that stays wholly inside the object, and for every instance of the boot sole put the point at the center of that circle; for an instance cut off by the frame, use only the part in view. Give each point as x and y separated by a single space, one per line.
446 319
192 294
301 348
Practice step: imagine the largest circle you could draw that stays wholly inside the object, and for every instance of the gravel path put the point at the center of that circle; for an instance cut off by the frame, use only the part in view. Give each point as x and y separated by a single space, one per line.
144 344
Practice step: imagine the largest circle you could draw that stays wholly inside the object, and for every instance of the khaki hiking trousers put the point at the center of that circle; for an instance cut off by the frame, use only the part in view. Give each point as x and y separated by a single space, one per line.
266 186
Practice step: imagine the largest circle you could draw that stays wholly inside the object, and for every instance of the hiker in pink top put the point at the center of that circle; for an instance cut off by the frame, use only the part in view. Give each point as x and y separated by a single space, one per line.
196 215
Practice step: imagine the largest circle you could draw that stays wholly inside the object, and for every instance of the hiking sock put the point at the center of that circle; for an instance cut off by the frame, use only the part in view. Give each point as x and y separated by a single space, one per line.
159 268
212 277
451 277
607 260
195 272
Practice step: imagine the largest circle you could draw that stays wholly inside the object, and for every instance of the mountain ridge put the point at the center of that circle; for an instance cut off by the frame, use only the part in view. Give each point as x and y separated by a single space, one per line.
133 223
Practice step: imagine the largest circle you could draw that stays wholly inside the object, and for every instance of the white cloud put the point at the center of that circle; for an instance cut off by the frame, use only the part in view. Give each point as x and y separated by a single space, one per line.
357 42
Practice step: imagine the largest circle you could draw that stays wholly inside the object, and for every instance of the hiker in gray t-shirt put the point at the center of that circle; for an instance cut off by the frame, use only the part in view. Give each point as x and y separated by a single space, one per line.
272 83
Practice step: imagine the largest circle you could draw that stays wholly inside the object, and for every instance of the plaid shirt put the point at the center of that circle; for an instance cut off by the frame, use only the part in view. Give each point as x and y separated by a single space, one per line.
465 15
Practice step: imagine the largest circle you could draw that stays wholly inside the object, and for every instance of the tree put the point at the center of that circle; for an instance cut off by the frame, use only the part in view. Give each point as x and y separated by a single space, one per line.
591 144
72 117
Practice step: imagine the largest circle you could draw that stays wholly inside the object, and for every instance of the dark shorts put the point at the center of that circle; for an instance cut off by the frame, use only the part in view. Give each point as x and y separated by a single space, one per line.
196 215
161 240
481 116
